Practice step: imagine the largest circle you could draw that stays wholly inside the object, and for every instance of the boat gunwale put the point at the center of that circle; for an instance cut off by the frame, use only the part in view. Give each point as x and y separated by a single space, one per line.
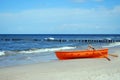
81 50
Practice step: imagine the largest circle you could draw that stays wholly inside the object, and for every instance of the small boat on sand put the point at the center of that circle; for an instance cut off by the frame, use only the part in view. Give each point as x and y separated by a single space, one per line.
96 53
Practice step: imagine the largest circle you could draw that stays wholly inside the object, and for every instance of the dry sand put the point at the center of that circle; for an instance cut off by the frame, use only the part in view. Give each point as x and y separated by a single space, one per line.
79 69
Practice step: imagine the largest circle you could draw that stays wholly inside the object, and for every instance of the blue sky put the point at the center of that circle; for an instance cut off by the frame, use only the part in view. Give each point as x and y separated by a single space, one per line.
59 17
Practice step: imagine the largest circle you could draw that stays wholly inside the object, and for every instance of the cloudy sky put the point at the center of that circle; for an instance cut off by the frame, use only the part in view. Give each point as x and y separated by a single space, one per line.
59 16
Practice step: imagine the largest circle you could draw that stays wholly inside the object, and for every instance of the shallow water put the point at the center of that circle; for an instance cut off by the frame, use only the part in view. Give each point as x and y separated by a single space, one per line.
28 49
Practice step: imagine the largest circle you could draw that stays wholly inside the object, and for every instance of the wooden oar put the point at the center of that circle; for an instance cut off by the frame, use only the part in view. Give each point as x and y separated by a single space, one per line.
113 55
99 53
105 56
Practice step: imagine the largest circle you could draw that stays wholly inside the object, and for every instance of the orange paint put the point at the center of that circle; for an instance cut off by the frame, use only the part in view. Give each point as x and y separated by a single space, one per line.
63 55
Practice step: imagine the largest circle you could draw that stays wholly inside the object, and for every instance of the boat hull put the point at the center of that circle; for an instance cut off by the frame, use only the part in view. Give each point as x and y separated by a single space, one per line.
64 55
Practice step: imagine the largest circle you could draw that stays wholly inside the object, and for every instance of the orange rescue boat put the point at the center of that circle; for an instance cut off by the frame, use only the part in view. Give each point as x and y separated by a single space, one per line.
64 55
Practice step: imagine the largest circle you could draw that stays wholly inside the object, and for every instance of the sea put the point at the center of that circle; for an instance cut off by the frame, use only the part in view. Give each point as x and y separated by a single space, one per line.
21 49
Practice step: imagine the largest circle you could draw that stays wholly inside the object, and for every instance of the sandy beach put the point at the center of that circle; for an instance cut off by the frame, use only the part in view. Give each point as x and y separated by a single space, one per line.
78 69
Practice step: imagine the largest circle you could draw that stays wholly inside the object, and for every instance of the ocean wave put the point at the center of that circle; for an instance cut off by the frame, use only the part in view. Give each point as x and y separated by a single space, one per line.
49 38
2 53
107 39
113 44
46 50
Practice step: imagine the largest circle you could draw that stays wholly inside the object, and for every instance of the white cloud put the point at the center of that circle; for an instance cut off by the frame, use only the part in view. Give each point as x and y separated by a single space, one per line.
62 20
116 9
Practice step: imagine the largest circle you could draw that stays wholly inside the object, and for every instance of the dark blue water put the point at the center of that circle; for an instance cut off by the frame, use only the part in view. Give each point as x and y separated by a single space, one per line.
18 49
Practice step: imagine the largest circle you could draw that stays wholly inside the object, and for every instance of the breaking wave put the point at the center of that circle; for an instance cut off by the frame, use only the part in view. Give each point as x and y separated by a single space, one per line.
46 50
113 44
49 38
2 53
7 53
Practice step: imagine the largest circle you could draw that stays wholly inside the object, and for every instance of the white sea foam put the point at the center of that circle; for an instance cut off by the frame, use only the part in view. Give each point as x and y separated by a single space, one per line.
46 50
113 44
2 53
49 38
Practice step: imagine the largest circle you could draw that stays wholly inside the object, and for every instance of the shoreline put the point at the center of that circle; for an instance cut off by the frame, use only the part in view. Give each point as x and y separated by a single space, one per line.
76 69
